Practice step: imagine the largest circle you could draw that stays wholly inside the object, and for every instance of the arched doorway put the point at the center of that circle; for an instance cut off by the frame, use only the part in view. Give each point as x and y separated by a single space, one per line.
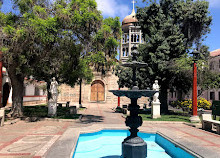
6 91
97 91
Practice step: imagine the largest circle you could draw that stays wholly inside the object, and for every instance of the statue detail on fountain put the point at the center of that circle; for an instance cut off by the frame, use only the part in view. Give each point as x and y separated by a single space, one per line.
156 87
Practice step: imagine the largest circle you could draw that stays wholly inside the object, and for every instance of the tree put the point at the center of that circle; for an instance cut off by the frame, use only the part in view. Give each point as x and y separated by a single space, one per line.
207 78
103 49
46 40
104 45
170 29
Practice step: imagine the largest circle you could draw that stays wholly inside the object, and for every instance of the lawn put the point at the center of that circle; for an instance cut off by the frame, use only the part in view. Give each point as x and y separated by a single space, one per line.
171 116
41 111
166 117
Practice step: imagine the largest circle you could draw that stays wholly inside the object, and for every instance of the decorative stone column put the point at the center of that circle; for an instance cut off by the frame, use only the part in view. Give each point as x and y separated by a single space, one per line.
129 45
155 110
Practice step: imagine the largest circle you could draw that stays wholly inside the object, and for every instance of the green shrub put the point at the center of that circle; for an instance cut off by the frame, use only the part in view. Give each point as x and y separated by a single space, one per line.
186 105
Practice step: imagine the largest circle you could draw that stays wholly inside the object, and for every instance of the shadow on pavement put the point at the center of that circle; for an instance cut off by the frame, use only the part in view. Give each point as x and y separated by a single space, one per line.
91 118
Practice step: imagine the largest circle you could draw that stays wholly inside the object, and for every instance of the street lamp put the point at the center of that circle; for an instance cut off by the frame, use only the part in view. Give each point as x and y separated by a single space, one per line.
194 117
80 93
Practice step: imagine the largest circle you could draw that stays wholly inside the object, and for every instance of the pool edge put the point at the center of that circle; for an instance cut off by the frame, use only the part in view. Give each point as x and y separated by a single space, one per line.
193 153
159 133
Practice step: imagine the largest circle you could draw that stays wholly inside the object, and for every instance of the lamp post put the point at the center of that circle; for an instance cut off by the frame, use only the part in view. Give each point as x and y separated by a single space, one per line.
118 100
194 117
80 92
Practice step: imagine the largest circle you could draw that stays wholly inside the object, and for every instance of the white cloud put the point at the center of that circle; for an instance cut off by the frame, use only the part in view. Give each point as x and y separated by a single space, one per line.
113 8
214 3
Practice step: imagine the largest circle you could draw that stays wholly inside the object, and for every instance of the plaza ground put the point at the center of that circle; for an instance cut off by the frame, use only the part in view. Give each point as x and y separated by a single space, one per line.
56 139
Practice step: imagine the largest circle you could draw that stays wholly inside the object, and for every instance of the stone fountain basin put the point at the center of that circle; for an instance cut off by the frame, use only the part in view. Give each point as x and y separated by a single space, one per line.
133 94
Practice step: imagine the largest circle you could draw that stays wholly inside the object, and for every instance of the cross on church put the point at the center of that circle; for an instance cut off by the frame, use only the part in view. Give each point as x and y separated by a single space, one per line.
133 3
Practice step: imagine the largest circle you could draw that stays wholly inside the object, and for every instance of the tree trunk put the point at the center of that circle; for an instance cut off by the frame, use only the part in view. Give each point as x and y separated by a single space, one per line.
163 100
48 91
17 82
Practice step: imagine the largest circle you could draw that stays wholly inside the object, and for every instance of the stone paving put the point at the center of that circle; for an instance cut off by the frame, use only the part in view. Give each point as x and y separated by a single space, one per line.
25 139
55 139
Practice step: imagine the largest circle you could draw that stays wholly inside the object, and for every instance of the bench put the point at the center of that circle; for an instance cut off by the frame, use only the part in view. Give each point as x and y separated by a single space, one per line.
207 123
60 104
2 117
215 109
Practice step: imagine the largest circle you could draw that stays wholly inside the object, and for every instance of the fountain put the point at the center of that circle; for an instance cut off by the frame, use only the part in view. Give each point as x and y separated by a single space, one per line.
134 146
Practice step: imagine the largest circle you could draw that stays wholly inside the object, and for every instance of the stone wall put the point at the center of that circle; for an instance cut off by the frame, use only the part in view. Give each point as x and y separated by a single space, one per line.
67 93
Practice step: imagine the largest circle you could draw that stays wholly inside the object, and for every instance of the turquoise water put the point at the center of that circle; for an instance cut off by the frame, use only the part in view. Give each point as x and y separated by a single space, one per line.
107 144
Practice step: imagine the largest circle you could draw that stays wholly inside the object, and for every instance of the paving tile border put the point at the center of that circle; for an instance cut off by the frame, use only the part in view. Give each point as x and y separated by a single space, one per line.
180 145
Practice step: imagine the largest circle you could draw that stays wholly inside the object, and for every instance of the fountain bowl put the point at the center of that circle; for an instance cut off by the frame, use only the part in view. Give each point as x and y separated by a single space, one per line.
133 94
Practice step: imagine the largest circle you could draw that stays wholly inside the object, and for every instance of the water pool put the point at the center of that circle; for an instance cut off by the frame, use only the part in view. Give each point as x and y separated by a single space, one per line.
107 144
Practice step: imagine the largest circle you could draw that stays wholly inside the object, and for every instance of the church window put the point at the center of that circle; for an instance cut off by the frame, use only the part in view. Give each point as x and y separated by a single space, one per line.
127 52
212 95
36 91
127 38
135 38
171 94
24 90
123 52
132 36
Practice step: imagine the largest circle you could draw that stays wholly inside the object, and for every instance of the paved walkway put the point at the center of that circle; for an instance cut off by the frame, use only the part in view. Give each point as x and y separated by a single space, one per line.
56 139
32 139
101 113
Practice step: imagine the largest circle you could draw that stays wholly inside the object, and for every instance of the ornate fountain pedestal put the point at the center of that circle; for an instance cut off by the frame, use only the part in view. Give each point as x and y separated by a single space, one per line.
134 146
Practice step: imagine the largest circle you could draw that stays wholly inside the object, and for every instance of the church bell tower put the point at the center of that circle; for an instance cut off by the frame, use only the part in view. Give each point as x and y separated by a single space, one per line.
131 35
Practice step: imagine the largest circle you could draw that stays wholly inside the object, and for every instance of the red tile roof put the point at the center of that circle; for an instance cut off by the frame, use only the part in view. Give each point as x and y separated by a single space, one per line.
215 53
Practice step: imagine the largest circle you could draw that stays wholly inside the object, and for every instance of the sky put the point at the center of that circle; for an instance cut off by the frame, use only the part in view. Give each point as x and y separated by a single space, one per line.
122 8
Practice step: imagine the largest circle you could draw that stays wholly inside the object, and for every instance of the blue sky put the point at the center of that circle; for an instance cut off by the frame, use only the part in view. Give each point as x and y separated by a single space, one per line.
122 8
